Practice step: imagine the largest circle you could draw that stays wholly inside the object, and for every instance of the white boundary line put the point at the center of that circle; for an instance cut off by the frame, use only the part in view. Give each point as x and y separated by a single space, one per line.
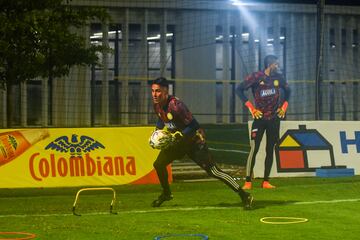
329 201
227 150
175 209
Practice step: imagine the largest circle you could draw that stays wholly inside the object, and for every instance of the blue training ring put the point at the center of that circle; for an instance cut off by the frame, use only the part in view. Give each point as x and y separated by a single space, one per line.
203 236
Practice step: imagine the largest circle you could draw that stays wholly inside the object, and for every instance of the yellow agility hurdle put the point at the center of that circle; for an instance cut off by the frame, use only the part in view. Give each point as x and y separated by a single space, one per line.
95 189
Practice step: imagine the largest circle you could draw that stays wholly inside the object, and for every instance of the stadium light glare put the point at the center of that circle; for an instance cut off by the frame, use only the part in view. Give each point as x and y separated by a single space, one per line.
242 3
100 34
247 15
245 36
220 37
158 36
237 2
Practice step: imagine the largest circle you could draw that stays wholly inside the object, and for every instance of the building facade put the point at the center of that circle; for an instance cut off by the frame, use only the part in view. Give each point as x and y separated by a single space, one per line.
205 48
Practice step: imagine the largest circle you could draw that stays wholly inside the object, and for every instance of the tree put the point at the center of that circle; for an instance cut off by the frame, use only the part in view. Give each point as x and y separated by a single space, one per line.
38 38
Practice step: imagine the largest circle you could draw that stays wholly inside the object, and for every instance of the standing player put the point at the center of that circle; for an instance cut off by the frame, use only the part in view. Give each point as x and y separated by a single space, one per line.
271 94
188 139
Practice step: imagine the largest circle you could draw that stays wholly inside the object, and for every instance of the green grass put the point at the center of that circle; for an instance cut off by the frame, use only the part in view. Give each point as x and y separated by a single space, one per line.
330 204
198 207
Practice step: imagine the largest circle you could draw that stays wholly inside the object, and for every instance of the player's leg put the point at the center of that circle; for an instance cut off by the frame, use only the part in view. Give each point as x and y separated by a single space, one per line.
257 132
164 158
272 137
203 158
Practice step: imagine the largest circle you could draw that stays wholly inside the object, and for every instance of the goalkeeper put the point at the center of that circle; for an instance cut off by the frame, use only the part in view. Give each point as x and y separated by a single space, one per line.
271 94
187 138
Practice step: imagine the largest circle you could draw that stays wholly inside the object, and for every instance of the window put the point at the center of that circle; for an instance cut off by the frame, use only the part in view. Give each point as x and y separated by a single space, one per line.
343 42
219 40
355 42
96 38
245 35
15 105
134 102
219 73
282 57
355 47
154 58
33 101
332 38
270 37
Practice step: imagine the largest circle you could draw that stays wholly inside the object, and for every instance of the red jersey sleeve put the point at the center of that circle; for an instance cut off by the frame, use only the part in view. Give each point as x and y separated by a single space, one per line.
180 111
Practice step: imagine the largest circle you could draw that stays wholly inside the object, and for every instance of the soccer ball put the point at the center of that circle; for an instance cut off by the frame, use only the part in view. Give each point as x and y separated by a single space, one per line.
160 139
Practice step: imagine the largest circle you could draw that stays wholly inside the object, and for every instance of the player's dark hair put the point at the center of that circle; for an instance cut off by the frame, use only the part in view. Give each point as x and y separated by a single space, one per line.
269 59
161 81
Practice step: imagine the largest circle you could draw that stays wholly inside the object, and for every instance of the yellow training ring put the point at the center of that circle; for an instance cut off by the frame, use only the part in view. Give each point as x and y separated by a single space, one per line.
283 220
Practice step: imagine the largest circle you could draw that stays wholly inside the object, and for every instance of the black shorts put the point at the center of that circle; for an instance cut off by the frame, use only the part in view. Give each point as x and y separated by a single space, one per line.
199 153
271 126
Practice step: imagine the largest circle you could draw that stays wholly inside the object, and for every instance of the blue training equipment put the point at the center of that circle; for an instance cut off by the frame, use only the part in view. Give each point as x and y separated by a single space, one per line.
201 236
335 172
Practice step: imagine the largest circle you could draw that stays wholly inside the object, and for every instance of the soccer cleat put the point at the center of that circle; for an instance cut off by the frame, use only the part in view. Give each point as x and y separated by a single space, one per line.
247 185
247 201
267 185
162 198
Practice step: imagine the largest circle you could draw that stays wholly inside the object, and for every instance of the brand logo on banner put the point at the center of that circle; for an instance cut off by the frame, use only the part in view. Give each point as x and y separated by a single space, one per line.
306 148
292 151
76 157
76 145
346 142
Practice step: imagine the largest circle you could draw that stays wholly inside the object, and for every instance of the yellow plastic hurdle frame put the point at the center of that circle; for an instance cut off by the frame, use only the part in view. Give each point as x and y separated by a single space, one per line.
95 189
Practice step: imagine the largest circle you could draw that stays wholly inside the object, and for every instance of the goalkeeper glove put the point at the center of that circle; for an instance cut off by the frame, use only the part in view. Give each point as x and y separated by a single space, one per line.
257 114
172 139
163 143
176 137
282 110
200 134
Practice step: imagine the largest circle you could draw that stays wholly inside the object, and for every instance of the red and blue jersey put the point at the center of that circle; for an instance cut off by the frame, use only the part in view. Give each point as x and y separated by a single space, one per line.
175 116
269 92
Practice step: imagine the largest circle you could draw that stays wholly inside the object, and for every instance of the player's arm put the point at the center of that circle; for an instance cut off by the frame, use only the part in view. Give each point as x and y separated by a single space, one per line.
182 113
281 112
240 91
159 124
191 128
243 87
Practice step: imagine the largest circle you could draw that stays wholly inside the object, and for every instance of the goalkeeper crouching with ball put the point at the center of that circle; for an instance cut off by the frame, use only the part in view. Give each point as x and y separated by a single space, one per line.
186 138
